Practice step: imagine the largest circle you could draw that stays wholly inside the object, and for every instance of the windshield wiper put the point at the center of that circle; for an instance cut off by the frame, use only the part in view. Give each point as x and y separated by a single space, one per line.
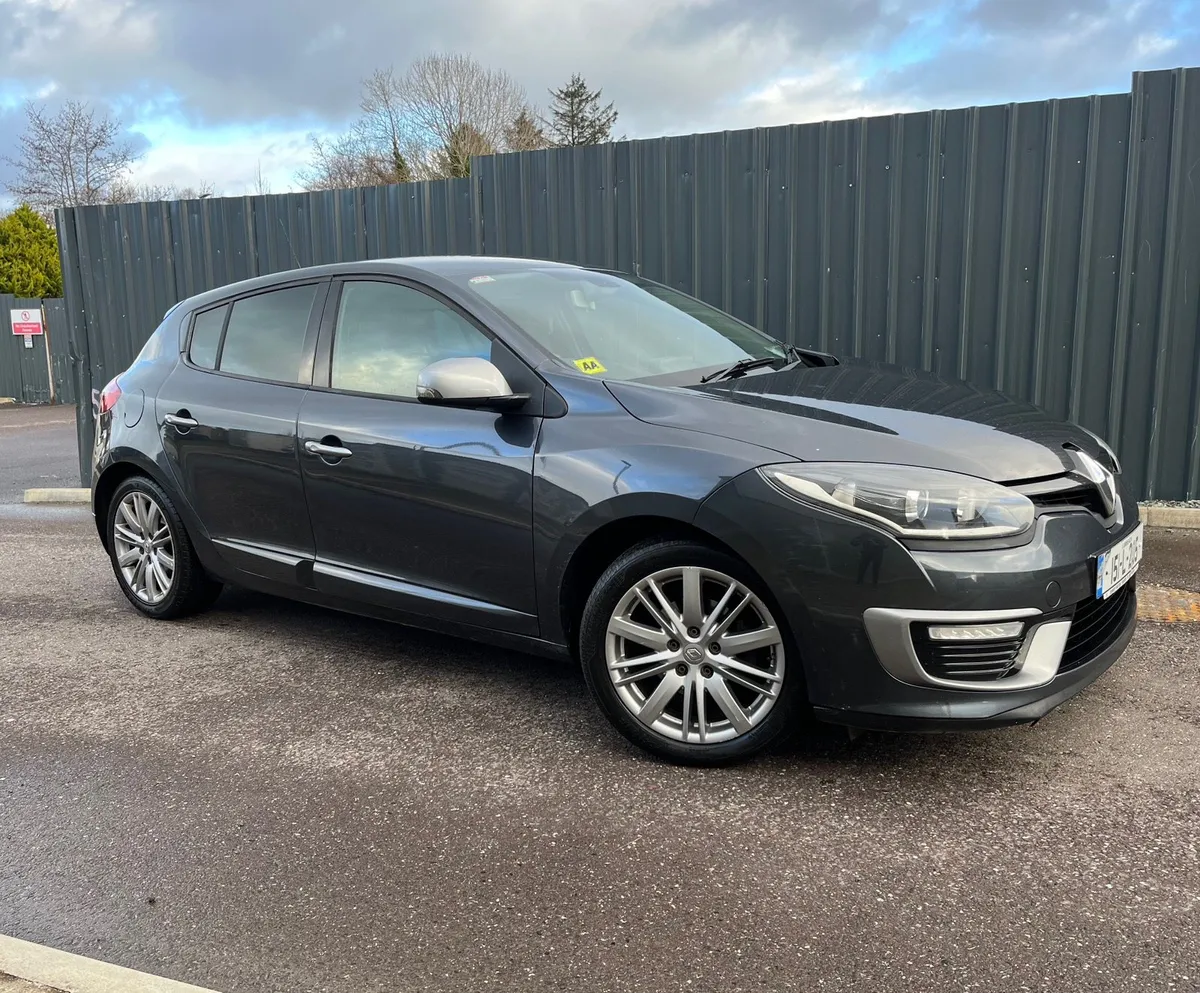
811 358
740 367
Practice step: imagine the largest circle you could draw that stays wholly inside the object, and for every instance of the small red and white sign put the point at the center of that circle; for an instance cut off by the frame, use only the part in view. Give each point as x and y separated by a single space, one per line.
26 321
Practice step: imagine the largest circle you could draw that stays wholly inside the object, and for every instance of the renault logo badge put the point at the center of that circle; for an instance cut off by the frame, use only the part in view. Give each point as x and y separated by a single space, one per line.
1095 473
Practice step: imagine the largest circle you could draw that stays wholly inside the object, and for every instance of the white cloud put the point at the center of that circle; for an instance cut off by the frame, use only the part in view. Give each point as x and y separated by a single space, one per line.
229 159
1149 46
42 37
830 92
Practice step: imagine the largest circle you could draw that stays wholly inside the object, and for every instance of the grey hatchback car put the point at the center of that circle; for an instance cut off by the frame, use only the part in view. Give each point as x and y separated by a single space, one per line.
730 534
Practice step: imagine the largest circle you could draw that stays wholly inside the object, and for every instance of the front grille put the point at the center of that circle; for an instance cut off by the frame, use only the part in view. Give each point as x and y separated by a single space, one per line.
976 661
1064 494
1095 625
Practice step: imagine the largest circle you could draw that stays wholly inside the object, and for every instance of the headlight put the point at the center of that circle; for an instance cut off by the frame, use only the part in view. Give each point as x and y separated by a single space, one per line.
913 502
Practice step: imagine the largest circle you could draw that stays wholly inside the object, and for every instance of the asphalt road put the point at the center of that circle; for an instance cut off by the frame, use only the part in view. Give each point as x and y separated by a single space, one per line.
1173 557
37 448
274 797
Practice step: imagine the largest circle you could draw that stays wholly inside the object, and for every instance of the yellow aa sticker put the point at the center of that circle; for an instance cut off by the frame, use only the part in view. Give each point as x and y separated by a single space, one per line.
589 365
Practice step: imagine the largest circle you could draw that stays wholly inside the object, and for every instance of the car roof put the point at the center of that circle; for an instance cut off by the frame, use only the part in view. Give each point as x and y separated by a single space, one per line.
438 265
458 264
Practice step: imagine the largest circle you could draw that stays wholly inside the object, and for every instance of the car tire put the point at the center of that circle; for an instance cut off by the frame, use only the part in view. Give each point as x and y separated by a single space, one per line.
690 725
152 555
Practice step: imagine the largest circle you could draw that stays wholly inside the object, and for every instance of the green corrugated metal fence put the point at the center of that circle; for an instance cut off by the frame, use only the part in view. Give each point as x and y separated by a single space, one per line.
43 373
1049 249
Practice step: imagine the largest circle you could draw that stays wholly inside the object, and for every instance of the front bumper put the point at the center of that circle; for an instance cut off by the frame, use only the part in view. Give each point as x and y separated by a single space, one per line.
1032 693
849 592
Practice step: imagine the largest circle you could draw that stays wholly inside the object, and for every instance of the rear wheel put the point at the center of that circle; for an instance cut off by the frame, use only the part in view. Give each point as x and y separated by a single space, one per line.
684 654
151 554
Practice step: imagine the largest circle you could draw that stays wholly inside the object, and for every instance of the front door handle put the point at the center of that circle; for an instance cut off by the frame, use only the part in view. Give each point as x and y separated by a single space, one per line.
181 422
324 451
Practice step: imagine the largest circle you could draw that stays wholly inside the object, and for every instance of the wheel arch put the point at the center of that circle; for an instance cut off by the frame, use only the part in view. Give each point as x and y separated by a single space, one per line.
602 546
123 466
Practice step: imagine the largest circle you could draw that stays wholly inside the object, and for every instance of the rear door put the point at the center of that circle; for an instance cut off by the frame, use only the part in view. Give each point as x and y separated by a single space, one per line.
430 510
228 414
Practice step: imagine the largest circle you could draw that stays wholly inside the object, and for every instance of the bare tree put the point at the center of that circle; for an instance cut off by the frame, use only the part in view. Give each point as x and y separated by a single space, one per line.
441 93
342 163
378 149
384 136
73 157
262 185
124 190
424 124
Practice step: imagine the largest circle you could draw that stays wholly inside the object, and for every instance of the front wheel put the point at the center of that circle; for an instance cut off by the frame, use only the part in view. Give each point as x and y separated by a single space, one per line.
152 556
684 654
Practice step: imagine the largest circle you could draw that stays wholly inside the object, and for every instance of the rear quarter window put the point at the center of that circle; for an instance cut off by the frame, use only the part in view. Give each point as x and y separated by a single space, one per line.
206 337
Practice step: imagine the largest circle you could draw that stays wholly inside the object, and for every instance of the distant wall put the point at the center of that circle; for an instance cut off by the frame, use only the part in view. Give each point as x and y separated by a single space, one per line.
1049 249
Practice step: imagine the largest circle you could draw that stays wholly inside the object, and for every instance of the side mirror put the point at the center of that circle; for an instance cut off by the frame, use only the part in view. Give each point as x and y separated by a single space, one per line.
467 382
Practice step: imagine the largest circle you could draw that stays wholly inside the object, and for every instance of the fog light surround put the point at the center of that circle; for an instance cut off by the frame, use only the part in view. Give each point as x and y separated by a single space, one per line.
976 632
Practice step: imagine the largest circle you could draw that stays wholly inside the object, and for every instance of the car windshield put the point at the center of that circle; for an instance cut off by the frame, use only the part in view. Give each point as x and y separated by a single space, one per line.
619 326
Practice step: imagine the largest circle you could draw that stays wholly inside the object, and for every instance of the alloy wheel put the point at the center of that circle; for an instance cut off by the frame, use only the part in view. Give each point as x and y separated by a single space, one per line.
145 547
695 655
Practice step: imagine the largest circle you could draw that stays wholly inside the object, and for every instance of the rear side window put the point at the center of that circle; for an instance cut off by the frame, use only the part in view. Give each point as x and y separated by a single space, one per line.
206 337
265 337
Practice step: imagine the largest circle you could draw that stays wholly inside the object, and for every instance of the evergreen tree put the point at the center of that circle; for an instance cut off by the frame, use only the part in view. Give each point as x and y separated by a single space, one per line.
400 173
524 134
29 265
454 160
576 116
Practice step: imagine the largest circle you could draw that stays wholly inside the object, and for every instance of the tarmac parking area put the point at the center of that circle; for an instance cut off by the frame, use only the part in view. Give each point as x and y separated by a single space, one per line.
274 797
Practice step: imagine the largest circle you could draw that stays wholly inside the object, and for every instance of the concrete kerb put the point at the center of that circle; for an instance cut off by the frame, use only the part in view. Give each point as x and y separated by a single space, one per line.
1169 517
75 974
58 494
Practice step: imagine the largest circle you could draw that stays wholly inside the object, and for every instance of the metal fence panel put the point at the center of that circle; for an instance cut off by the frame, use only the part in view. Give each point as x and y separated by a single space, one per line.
40 374
58 330
1099 274
1048 249
22 370
1176 426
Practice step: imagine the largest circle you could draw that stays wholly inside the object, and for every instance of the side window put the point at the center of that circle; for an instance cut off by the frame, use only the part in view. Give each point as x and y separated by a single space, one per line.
265 337
206 337
387 333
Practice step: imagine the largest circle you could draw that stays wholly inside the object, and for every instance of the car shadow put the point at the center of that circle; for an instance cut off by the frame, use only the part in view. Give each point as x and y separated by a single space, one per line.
380 640
554 689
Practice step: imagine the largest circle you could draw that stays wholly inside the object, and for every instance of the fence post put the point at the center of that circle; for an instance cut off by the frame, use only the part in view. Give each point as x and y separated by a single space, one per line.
78 350
46 346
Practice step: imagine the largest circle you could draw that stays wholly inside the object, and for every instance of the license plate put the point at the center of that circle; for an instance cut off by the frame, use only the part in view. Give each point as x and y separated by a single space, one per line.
1115 567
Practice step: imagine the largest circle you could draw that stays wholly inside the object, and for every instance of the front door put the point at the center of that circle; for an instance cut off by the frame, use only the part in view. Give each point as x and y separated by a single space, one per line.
416 507
228 415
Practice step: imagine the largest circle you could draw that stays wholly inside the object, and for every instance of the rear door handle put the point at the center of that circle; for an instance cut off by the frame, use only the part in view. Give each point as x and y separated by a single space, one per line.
327 451
186 423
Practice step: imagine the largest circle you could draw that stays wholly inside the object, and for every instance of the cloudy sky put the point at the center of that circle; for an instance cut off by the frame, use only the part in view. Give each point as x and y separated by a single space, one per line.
212 89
